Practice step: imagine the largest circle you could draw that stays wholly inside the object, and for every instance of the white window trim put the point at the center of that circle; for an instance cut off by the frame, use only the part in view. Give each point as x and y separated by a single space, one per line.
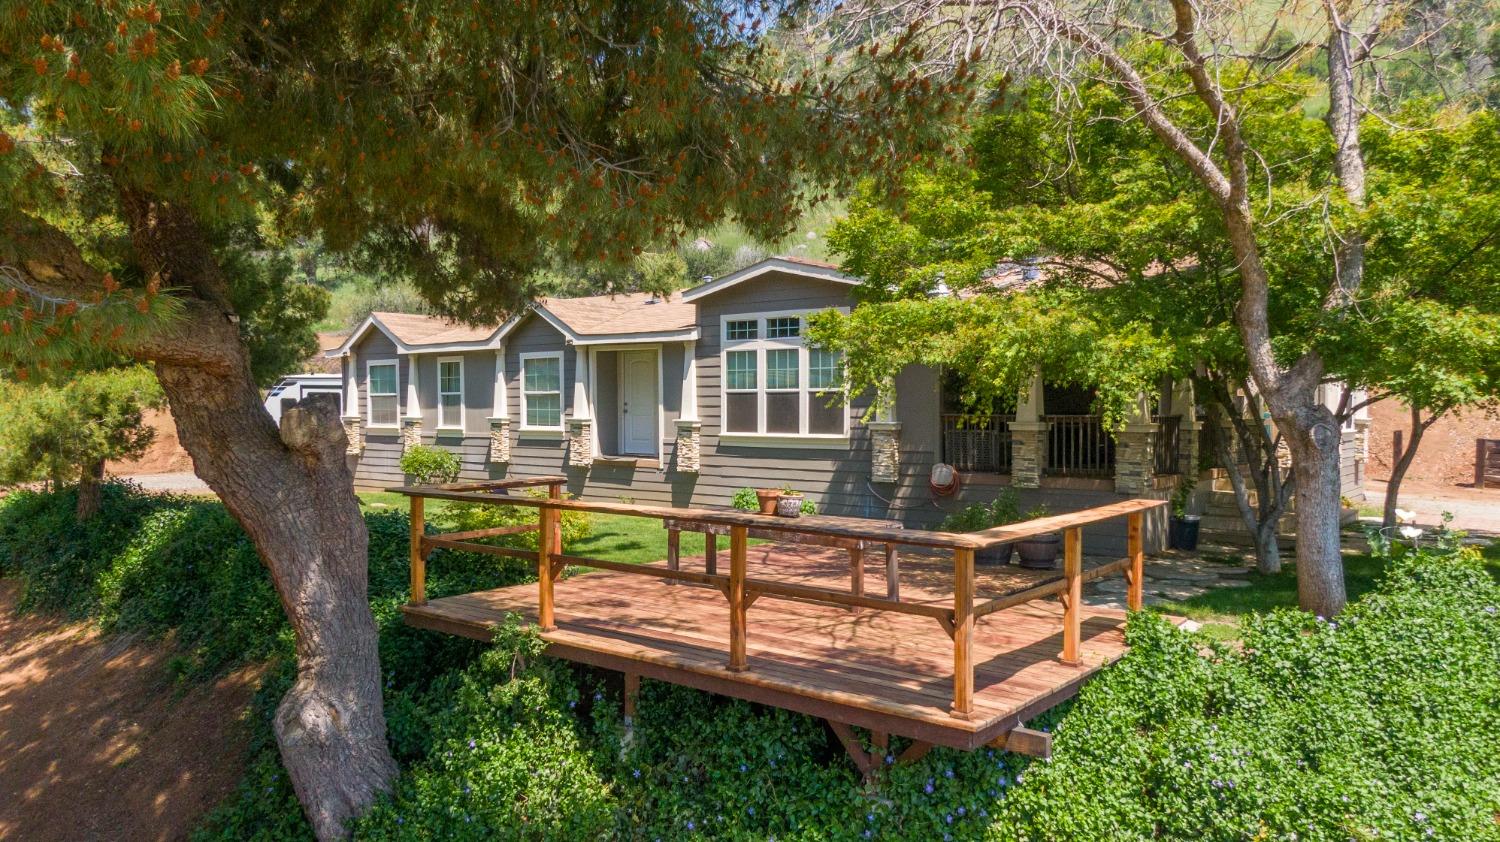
760 345
561 382
370 395
463 400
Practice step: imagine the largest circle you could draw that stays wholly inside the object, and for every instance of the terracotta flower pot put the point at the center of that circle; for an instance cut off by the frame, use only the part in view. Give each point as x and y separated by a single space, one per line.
767 498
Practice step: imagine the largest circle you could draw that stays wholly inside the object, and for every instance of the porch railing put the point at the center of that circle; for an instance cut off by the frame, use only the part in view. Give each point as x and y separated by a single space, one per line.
1168 444
977 443
1078 445
742 590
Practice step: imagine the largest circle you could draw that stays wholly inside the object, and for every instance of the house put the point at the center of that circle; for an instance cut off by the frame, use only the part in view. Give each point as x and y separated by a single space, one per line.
682 401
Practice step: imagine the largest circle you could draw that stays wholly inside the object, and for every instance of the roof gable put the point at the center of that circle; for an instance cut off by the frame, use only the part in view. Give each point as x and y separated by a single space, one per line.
784 265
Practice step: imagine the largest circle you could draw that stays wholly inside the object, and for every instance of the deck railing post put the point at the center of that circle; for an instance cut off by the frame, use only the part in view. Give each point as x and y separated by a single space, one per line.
554 492
1135 574
418 557
546 529
1073 597
963 632
738 539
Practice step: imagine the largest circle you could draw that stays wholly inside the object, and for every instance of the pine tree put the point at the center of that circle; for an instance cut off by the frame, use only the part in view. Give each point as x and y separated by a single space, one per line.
458 145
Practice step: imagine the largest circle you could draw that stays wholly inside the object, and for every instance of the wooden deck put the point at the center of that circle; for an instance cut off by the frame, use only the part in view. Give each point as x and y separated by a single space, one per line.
890 672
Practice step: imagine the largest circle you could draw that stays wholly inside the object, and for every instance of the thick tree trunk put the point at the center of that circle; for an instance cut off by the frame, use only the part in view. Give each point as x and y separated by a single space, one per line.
293 494
292 491
1268 546
1398 470
1312 433
90 491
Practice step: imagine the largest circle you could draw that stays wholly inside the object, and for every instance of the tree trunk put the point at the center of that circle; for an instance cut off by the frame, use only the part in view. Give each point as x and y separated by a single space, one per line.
1268 546
1312 433
293 493
90 490
1398 470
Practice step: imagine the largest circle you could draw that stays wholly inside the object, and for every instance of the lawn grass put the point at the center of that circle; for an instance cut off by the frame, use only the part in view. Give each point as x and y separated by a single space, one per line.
634 540
1221 608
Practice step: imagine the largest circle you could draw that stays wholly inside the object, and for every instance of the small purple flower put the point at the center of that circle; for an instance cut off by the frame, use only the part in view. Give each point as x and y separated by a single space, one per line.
1419 816
962 811
635 773
927 787
471 744
691 825
948 818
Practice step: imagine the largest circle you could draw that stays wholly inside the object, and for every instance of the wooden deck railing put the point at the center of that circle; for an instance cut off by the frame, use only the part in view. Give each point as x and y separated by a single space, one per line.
742 591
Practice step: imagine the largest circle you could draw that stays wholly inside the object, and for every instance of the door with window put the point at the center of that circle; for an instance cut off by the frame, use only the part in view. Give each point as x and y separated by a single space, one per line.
638 403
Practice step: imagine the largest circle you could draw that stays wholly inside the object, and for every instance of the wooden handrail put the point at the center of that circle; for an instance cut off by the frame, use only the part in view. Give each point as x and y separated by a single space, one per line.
741 590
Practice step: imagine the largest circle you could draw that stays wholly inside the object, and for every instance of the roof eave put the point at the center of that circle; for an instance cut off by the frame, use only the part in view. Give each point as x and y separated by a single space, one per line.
770 264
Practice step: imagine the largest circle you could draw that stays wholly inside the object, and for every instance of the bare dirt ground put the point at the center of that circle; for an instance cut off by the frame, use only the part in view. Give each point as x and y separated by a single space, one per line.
165 455
95 741
1445 457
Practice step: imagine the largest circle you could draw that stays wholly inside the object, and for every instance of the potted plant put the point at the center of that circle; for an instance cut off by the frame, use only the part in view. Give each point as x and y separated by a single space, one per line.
980 516
1039 551
789 502
1182 534
767 498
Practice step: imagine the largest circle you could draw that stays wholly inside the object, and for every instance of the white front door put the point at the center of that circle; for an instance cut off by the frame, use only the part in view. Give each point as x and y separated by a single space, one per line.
638 401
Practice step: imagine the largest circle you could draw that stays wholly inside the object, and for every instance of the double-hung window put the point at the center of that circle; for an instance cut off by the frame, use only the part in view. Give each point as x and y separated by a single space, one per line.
380 380
450 393
776 384
541 391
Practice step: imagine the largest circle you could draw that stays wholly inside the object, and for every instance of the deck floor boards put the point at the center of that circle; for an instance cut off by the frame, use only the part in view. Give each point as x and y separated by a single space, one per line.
866 667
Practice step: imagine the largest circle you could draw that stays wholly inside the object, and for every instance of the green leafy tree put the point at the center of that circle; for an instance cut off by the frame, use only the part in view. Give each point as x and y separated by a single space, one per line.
453 145
1254 126
66 431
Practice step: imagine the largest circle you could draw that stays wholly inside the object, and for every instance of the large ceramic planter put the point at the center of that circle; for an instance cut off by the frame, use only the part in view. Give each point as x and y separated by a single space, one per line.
1182 534
1039 552
996 555
767 498
789 505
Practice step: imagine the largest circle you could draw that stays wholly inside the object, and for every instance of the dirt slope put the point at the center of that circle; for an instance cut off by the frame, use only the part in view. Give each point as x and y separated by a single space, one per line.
95 743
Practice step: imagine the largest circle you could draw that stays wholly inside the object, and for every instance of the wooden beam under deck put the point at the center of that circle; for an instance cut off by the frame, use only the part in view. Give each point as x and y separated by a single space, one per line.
887 672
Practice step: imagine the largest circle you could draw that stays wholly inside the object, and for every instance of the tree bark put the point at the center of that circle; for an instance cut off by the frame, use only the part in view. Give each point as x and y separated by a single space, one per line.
292 492
1398 470
1312 433
90 490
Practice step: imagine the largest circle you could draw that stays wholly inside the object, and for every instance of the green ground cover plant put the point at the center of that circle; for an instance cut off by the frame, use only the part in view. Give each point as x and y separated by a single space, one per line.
1379 724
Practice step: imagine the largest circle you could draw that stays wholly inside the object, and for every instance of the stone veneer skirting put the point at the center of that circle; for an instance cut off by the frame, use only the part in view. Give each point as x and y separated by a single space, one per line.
1135 459
1028 453
354 432
411 433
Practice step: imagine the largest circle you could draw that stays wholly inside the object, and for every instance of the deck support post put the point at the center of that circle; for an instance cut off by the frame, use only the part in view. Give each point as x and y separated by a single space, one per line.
867 763
738 539
632 691
1135 574
546 529
857 571
1073 596
963 633
418 557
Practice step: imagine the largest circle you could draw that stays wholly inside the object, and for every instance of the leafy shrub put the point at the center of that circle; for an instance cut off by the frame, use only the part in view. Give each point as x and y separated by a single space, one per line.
1005 508
465 516
427 465
745 500
808 507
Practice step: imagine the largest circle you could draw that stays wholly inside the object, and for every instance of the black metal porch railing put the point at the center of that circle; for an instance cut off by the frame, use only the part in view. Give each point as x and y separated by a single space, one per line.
977 443
1078 445
1168 444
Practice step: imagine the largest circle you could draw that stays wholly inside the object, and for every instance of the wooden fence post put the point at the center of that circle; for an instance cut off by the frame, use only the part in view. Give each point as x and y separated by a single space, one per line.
738 538
418 557
963 632
1135 574
1073 597
1481 452
546 530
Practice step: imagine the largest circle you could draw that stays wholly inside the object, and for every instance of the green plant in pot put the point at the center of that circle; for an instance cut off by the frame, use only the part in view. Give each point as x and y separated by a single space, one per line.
1039 551
1002 510
1182 534
789 503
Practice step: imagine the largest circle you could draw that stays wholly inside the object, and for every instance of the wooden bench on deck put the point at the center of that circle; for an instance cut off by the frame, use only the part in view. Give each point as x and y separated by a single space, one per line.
876 670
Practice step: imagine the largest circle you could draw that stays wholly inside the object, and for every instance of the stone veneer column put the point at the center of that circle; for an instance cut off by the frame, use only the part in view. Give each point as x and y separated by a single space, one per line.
411 433
1185 406
689 445
1135 451
1028 438
354 432
499 441
885 451
580 442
